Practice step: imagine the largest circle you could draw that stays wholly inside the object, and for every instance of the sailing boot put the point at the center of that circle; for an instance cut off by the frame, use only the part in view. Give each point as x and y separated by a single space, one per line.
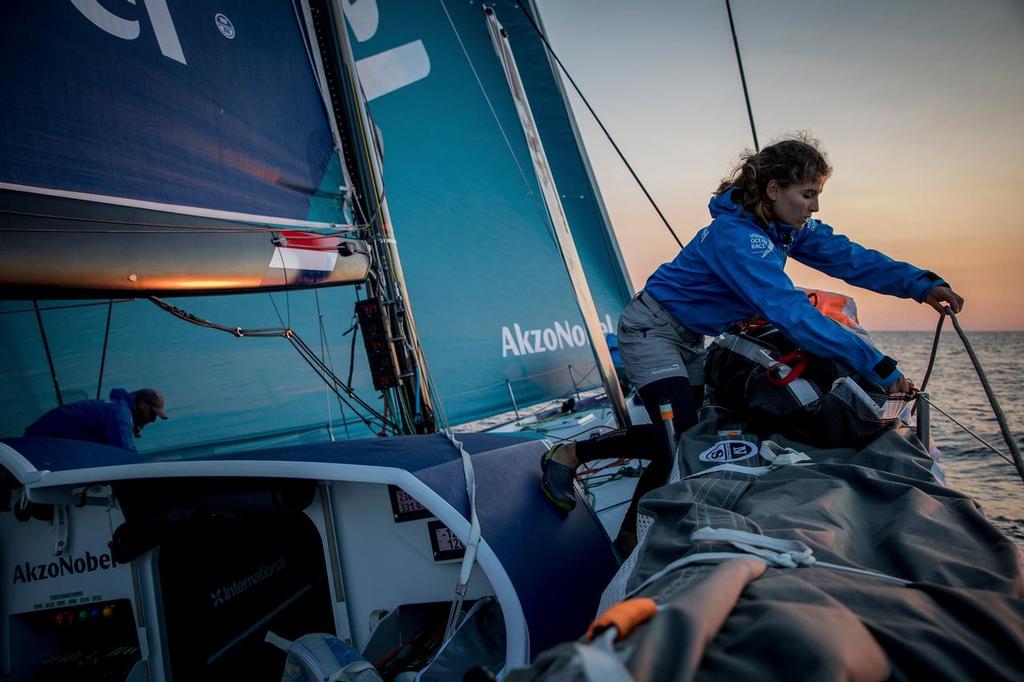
557 481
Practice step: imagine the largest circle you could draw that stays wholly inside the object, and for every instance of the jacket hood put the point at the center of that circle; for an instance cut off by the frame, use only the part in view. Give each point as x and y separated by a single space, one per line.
724 204
119 395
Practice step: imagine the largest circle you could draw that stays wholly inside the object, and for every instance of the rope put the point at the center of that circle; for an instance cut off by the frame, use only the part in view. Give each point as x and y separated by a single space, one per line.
996 409
775 552
353 330
49 356
931 357
597 119
472 542
931 362
330 362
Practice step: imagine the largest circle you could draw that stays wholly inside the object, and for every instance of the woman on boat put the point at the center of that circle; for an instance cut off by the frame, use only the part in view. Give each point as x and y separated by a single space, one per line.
732 270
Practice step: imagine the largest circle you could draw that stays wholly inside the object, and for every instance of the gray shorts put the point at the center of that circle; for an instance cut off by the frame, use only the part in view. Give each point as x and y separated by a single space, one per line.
653 345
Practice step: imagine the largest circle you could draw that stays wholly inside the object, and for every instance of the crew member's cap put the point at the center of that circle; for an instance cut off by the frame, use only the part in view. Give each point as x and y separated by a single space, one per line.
153 399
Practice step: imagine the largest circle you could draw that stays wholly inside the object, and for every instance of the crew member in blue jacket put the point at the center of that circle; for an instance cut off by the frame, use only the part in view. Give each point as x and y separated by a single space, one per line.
732 270
116 422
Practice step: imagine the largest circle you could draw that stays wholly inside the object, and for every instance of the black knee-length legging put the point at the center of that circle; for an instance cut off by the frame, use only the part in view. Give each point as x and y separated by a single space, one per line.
648 441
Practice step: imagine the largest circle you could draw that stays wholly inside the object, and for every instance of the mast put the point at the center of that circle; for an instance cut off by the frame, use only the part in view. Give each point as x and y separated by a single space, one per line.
401 371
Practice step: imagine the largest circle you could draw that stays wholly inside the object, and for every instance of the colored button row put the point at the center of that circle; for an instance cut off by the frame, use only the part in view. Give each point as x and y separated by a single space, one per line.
69 617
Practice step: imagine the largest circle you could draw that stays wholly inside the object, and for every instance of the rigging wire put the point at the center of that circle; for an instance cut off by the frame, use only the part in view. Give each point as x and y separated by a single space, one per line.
49 356
976 436
103 356
996 409
309 52
318 366
597 119
340 389
541 211
323 355
287 294
1016 462
66 307
276 311
743 77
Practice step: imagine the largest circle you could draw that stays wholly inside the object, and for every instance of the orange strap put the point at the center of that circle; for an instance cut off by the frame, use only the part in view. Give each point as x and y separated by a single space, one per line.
624 617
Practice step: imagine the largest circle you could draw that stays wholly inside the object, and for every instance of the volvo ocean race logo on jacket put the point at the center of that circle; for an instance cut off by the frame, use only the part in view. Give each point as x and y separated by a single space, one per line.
761 244
28 572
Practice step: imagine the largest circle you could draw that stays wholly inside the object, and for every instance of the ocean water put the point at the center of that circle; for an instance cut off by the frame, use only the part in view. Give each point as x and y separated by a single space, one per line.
972 468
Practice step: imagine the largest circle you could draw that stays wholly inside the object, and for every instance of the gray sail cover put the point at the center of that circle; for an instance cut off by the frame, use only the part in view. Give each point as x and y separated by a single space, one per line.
740 617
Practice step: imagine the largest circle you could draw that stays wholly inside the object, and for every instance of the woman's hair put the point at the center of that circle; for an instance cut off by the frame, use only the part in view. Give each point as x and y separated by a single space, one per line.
790 160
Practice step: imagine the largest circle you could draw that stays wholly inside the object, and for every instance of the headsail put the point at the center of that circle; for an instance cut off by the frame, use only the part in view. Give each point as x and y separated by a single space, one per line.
493 304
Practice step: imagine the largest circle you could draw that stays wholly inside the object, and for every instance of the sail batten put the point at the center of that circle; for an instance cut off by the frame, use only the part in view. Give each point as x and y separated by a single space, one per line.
196 211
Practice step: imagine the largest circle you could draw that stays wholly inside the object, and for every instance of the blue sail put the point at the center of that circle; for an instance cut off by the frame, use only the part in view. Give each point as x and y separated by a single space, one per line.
493 305
178 104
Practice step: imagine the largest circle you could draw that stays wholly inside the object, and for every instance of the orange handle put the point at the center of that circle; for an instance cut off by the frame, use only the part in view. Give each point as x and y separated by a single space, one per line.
625 617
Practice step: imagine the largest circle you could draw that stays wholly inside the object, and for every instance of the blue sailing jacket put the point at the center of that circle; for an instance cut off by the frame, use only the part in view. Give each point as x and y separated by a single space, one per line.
97 421
733 269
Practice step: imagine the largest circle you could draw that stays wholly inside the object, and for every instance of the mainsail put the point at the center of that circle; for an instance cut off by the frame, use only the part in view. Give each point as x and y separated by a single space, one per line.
167 151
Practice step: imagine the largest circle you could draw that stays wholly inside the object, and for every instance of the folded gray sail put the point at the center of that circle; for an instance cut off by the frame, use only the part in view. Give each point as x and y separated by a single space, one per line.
773 559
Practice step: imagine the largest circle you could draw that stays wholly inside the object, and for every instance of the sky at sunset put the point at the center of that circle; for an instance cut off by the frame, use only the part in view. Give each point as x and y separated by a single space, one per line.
920 106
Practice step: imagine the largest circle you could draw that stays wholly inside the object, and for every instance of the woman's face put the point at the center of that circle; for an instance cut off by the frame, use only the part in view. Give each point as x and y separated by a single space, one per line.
795 204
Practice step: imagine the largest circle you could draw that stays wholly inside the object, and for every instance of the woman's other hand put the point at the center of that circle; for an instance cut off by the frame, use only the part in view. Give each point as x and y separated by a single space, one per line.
944 295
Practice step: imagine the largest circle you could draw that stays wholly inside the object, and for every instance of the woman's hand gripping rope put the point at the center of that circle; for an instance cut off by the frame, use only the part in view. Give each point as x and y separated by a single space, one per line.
942 296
